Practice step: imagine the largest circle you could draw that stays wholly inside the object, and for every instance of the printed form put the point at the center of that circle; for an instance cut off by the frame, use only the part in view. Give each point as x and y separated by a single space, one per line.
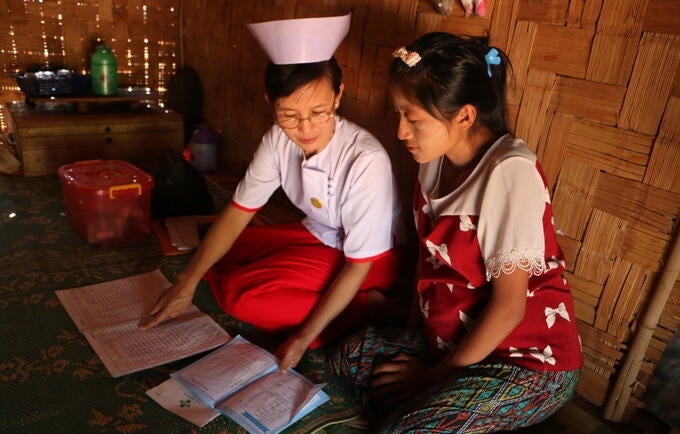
108 313
272 402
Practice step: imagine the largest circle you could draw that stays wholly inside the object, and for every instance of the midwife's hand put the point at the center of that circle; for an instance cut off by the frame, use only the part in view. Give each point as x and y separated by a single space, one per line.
290 352
172 302
399 378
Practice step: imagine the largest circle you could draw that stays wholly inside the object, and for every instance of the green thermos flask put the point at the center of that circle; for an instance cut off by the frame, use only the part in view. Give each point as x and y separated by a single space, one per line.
104 72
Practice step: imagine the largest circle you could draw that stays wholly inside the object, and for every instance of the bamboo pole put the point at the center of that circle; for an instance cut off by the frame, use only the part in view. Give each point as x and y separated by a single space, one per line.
618 399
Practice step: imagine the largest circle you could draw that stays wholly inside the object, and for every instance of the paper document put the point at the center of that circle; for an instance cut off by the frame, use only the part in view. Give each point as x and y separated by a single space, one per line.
243 381
183 232
181 235
176 399
108 313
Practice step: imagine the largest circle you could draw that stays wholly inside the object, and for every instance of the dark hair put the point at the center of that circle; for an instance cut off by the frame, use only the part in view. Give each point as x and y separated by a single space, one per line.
452 72
282 80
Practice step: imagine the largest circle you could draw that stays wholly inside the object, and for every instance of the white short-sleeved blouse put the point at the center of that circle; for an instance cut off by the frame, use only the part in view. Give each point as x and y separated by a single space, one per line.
347 191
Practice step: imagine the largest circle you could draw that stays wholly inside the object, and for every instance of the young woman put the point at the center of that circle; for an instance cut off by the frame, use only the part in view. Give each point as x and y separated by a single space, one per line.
314 278
498 348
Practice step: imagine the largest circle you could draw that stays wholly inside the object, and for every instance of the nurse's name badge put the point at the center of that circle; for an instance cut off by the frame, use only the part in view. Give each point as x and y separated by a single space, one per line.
316 203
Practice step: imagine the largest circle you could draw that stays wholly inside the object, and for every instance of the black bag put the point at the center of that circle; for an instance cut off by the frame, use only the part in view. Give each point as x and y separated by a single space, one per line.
185 96
179 189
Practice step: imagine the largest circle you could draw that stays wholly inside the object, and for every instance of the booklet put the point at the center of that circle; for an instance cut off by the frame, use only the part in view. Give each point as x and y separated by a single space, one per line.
108 313
244 382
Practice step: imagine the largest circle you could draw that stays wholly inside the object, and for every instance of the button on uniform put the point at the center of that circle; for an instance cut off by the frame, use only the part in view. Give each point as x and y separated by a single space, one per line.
316 203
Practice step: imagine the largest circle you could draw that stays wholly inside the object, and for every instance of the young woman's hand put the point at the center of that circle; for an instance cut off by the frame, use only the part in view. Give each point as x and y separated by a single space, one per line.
172 302
291 351
335 299
395 380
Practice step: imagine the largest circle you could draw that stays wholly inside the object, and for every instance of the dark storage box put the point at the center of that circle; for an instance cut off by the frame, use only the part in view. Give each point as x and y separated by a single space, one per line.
34 86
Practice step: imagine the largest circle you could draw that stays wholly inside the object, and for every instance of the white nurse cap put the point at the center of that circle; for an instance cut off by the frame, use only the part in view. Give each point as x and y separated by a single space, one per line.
301 40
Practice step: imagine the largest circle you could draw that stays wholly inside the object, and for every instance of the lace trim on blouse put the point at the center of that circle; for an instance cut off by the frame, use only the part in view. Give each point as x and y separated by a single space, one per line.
506 262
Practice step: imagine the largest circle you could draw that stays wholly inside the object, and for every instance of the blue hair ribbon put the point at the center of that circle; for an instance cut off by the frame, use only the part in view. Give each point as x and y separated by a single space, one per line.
491 58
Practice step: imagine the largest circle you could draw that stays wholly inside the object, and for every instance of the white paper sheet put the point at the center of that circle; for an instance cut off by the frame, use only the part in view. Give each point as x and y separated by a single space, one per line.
176 399
108 313
113 302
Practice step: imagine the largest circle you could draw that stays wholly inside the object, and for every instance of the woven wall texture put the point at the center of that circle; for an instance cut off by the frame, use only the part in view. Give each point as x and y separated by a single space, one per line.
596 93
52 34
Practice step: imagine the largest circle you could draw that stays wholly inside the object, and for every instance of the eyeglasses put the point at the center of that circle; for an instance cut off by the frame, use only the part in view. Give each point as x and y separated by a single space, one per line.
291 122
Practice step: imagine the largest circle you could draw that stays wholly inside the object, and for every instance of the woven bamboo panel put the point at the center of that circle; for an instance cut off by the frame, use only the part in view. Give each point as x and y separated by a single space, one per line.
596 93
63 34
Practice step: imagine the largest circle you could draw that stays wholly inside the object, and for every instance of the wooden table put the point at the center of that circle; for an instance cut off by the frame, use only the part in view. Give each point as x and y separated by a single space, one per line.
51 133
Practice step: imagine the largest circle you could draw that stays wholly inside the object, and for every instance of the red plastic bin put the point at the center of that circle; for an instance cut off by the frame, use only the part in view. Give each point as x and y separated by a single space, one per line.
107 202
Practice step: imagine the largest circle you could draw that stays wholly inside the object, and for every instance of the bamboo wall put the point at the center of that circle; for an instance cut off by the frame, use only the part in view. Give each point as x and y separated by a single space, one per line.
596 94
53 34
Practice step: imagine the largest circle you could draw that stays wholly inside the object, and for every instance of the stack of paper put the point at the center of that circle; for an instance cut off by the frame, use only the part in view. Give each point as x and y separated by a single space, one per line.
242 381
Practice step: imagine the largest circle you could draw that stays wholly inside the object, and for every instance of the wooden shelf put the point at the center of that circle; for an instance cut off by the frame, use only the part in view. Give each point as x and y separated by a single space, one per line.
83 102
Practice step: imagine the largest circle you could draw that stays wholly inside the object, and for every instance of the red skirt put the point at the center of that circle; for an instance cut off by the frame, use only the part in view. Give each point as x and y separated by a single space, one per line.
273 277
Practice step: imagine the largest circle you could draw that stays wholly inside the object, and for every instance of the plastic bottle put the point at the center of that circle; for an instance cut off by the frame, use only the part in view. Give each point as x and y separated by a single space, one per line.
104 70
203 149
